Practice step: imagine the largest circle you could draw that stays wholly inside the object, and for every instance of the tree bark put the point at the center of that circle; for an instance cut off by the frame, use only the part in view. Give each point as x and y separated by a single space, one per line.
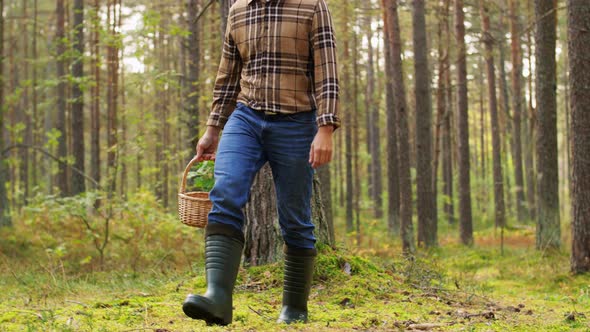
112 96
447 137
338 161
375 129
326 181
224 6
500 211
4 207
123 182
25 113
442 112
35 116
62 151
393 222
401 111
504 115
548 226
517 99
193 90
464 167
165 110
78 184
263 240
528 141
95 100
356 134
426 200
347 93
13 76
579 68
482 124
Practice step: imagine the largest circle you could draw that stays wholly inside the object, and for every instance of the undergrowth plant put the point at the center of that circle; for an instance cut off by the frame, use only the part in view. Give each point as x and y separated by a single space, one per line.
87 233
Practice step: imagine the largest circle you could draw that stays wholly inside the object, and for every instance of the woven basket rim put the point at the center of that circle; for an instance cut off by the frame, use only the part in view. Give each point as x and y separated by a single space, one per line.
195 196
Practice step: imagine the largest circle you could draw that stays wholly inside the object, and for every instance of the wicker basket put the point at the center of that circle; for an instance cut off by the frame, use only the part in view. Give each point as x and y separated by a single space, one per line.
193 207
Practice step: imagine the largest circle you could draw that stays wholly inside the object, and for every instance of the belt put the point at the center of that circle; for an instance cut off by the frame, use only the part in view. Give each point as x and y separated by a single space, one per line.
270 113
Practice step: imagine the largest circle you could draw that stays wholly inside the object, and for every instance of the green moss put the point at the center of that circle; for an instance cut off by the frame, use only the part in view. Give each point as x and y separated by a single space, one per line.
449 286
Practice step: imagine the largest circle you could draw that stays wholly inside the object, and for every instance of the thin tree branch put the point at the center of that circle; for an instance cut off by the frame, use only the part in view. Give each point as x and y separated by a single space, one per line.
45 152
202 12
532 24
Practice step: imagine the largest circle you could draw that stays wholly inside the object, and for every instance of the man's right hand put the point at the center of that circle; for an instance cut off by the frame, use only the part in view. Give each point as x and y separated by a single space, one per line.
207 145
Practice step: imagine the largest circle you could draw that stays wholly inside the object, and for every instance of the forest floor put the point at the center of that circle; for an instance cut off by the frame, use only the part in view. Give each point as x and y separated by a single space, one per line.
450 288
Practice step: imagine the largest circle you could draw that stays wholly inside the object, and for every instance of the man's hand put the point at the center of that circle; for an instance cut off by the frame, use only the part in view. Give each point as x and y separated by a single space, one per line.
321 148
207 145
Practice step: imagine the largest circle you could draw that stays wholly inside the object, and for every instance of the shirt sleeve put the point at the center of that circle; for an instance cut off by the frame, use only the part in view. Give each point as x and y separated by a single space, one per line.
326 85
227 83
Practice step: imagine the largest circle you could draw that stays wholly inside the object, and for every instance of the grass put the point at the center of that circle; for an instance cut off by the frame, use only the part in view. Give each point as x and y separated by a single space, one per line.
368 286
458 289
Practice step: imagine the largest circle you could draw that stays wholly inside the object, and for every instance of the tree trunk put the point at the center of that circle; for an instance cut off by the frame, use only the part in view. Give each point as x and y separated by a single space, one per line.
504 115
464 168
160 110
4 207
25 113
400 104
426 201
78 185
441 101
373 126
528 141
142 144
369 101
548 228
517 99
579 68
193 89
164 111
447 137
347 144
325 179
224 6
12 112
123 151
339 161
263 240
35 116
95 102
112 96
356 135
500 211
62 151
482 124
393 222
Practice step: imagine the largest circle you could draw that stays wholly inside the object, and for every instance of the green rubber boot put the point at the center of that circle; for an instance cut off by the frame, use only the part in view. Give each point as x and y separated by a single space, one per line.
299 265
223 255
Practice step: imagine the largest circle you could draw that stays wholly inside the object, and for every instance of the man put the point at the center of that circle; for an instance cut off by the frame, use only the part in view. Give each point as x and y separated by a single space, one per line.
279 66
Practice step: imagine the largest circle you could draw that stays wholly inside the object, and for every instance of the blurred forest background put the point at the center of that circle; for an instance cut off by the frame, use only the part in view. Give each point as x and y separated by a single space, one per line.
465 123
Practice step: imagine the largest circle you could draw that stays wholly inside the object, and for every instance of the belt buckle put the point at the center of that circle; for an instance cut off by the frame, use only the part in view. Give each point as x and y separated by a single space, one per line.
271 113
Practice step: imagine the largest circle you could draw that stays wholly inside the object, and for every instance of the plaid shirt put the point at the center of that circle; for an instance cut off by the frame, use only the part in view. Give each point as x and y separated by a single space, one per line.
278 56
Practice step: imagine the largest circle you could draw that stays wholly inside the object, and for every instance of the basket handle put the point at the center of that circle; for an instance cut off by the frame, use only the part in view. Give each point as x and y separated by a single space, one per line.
185 174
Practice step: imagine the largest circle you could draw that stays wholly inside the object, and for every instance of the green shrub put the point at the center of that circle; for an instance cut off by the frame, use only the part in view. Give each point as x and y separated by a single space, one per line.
73 233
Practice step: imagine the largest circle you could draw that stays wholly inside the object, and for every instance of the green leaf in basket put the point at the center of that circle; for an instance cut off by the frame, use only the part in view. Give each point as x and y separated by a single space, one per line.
201 178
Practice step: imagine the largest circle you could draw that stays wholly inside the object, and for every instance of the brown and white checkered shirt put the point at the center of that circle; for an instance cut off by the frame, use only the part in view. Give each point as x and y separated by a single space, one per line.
278 56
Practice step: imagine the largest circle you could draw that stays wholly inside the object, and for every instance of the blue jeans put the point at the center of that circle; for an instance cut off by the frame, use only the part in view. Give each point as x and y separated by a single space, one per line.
249 140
